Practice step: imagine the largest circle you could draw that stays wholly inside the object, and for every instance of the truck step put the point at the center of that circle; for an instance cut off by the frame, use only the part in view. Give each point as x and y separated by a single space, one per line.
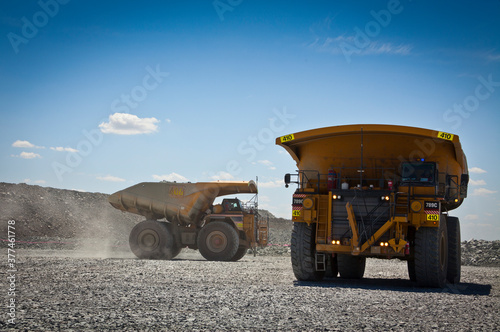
320 262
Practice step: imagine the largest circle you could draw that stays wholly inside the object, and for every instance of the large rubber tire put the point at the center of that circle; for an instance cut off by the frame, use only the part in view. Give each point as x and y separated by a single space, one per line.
242 251
151 239
176 250
431 255
454 250
218 241
351 267
304 252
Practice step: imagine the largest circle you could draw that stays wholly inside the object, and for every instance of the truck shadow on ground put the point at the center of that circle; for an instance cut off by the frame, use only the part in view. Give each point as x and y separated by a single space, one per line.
397 285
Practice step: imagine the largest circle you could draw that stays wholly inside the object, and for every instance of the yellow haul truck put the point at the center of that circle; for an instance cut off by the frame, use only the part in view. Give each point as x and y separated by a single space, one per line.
379 191
222 232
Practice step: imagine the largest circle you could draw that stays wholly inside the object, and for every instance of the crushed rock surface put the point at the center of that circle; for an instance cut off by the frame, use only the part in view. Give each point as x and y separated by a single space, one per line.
68 290
75 272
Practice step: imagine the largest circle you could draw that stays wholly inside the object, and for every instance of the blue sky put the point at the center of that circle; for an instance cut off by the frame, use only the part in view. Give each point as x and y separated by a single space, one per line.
100 95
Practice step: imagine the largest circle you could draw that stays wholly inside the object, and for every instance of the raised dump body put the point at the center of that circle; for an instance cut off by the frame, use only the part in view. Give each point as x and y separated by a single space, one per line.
221 232
376 191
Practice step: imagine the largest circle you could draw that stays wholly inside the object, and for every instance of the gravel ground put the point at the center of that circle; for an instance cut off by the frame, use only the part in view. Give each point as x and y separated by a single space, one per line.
77 290
75 272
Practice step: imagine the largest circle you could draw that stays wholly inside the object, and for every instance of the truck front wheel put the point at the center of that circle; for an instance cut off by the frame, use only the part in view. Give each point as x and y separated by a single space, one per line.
304 252
431 255
218 241
454 250
151 239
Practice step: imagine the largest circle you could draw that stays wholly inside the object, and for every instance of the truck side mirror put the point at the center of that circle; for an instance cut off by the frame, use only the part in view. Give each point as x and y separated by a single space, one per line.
287 179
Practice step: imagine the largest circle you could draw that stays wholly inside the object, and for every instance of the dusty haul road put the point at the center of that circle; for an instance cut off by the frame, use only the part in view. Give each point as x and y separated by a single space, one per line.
69 290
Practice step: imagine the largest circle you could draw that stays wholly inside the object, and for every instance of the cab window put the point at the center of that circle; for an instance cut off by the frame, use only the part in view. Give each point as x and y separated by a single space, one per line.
418 172
232 206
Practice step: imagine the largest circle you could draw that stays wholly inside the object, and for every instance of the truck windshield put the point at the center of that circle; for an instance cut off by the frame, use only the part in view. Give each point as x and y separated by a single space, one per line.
418 172
232 205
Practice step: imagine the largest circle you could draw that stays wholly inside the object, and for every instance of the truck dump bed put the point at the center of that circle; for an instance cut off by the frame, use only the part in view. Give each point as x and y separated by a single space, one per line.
184 203
376 151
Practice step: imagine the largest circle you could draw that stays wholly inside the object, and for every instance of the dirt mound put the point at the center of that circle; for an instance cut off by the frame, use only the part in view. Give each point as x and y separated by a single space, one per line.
55 213
481 253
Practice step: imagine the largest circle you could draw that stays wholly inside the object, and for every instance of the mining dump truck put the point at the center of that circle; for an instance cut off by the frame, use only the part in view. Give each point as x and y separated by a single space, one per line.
182 215
380 191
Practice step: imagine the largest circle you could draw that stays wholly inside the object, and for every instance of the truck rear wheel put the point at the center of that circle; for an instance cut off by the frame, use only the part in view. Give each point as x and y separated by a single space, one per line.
242 251
411 270
431 255
218 241
151 239
304 252
351 267
454 250
176 250
332 268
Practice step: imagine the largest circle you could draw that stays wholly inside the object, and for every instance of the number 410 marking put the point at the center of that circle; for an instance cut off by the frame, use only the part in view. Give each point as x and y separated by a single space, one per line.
445 136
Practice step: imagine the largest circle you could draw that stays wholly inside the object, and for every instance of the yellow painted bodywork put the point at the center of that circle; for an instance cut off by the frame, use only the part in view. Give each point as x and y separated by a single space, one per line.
181 202
382 149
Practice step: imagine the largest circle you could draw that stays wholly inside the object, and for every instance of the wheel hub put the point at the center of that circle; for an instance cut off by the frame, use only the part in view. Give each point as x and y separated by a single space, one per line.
148 240
216 241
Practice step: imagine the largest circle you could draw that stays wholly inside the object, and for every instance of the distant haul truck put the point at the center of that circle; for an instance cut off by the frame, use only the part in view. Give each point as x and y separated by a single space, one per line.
379 191
183 215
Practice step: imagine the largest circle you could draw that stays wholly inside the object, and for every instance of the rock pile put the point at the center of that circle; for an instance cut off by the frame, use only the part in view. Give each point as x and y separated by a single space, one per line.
41 212
481 253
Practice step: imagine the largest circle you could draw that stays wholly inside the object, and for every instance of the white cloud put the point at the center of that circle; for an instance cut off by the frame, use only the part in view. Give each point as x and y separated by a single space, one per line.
27 155
477 182
110 178
61 149
267 163
128 124
222 176
483 192
337 45
170 177
26 144
476 170
272 184
36 181
471 217
387 48
168 120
